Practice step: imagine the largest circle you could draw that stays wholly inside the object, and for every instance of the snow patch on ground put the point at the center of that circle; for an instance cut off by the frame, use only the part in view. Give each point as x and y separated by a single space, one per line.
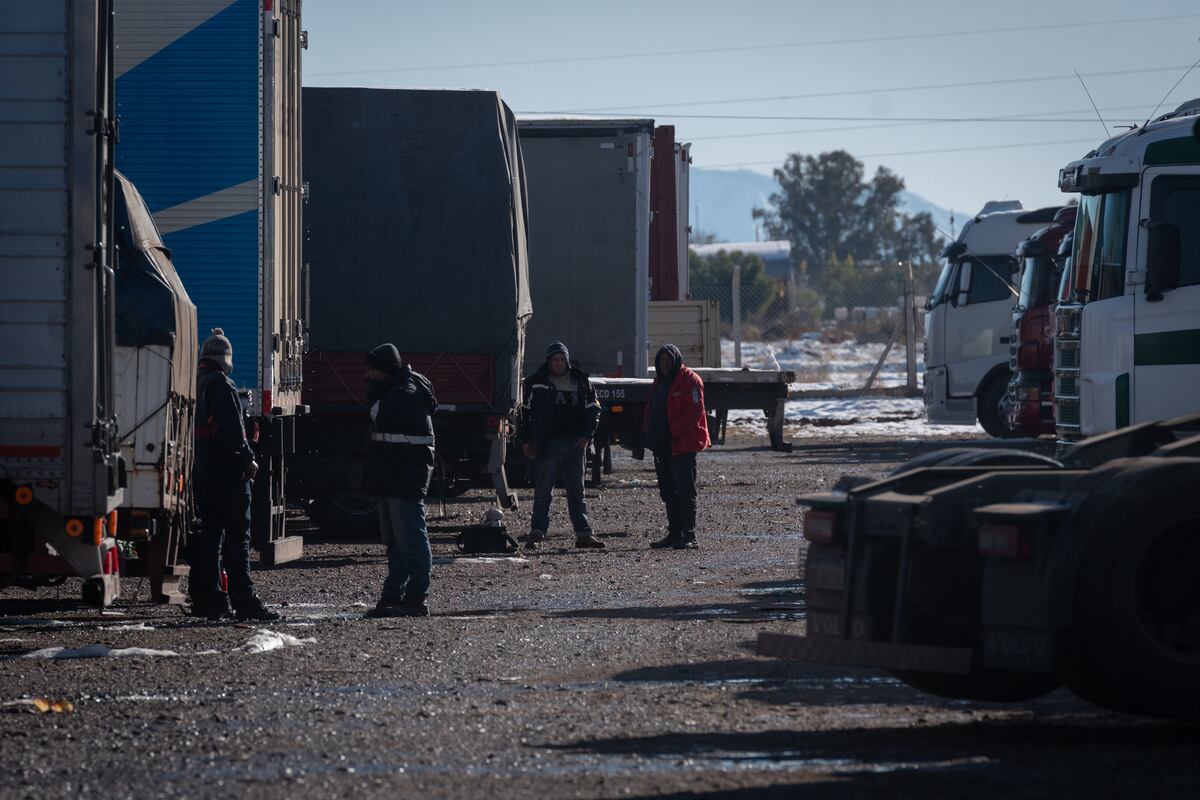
97 651
264 641
839 366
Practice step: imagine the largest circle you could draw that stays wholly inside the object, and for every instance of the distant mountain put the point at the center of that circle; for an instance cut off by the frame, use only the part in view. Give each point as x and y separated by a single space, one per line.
721 202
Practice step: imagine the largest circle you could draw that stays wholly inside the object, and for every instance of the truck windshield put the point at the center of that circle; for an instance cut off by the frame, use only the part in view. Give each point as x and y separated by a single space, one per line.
941 291
1039 281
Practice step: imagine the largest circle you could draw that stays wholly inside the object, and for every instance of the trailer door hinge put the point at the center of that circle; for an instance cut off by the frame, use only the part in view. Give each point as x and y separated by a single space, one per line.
304 193
275 27
303 40
277 184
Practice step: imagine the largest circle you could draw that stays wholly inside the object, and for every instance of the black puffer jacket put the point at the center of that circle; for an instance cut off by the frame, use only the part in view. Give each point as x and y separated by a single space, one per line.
222 452
400 453
538 413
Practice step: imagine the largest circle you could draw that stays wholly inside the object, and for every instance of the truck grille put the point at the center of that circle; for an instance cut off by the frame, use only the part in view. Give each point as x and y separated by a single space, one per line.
1066 354
1066 385
1067 416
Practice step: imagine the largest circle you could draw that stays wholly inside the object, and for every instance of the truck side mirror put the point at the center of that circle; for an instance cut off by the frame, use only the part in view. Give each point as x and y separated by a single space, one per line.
1164 259
964 284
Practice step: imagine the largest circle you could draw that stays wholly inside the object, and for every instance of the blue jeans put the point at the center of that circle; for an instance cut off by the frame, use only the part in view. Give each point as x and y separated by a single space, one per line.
410 561
559 456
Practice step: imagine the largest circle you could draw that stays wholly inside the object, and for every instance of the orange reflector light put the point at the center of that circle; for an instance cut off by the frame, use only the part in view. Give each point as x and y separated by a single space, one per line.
112 522
97 530
617 409
23 495
74 528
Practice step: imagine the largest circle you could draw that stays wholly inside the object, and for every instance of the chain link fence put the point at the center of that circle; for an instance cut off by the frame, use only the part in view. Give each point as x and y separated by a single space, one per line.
859 324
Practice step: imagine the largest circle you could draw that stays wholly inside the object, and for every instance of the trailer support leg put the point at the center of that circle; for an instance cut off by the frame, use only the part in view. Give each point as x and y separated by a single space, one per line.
775 419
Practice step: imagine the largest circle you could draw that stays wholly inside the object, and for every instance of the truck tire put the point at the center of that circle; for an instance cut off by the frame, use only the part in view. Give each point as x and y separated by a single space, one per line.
345 516
991 414
1137 599
984 685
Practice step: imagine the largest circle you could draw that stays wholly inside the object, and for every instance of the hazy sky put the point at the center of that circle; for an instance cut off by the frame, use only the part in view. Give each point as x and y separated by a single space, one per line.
759 49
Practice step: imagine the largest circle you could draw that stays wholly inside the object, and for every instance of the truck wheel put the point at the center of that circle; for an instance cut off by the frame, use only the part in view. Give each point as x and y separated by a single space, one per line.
346 516
996 686
1137 600
991 414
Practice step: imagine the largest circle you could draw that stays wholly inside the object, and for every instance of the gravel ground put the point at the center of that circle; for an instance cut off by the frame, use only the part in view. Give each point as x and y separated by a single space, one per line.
627 673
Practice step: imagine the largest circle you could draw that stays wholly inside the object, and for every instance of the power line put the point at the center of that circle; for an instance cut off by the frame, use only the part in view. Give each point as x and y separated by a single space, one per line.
937 151
759 47
884 90
822 117
842 128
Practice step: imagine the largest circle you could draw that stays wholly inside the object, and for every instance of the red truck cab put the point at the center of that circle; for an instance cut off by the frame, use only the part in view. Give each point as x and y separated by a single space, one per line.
1030 400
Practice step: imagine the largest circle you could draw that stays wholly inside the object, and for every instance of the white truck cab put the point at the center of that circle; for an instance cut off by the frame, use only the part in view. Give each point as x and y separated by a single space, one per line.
1127 346
968 327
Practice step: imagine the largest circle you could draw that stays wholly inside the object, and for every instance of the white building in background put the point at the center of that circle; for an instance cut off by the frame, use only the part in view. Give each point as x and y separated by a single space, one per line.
776 256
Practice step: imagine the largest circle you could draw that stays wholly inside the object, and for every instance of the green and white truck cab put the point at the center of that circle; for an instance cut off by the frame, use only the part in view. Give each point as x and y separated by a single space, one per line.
1127 346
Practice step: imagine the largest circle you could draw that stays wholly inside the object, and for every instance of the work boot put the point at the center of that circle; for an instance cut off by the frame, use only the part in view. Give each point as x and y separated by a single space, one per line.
667 541
587 541
386 607
253 609
686 541
217 607
534 539
413 607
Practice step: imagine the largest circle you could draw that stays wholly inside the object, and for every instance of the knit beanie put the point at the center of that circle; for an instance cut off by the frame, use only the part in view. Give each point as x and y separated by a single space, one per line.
558 347
386 358
218 348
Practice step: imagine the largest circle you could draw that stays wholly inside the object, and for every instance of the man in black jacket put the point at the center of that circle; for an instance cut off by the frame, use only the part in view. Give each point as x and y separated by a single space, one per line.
222 474
560 417
399 468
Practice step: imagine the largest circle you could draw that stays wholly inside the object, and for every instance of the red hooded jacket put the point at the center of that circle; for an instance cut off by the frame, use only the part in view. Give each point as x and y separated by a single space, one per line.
685 413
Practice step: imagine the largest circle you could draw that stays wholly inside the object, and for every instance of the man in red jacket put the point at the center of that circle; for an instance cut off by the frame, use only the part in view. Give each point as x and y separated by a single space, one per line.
676 428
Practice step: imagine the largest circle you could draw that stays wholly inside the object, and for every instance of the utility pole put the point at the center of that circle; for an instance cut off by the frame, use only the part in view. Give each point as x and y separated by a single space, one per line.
737 315
910 327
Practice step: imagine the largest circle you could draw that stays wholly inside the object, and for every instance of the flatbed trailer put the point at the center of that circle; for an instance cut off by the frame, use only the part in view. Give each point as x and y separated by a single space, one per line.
999 574
623 402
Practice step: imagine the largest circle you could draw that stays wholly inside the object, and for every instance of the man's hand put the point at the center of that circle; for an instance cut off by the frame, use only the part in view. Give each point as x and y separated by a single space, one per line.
583 441
251 470
528 450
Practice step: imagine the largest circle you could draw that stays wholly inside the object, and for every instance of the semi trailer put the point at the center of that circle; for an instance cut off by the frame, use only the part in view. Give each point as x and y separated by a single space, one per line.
968 320
208 104
62 476
416 234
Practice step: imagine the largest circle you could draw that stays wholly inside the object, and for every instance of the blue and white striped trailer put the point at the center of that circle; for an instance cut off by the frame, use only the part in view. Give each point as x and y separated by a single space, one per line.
208 106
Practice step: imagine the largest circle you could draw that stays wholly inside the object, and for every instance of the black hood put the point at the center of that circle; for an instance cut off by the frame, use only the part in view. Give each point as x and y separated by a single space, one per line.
676 361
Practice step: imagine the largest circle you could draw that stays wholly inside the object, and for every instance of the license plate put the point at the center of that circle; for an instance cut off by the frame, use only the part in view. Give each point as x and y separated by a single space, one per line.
823 624
827 574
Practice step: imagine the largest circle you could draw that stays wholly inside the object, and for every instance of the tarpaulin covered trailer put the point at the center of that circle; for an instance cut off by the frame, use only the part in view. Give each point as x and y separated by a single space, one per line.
416 234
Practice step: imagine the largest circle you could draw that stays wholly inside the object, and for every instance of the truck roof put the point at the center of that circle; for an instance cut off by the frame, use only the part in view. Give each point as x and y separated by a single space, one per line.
998 233
1118 162
534 125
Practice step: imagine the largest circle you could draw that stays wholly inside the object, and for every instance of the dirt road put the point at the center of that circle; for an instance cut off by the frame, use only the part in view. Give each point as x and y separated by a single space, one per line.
626 673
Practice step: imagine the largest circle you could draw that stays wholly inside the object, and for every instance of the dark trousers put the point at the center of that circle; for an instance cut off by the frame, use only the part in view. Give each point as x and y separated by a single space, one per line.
224 540
559 456
677 488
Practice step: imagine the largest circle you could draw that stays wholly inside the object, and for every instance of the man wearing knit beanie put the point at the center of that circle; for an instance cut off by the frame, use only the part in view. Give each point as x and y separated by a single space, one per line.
559 418
222 475
398 470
